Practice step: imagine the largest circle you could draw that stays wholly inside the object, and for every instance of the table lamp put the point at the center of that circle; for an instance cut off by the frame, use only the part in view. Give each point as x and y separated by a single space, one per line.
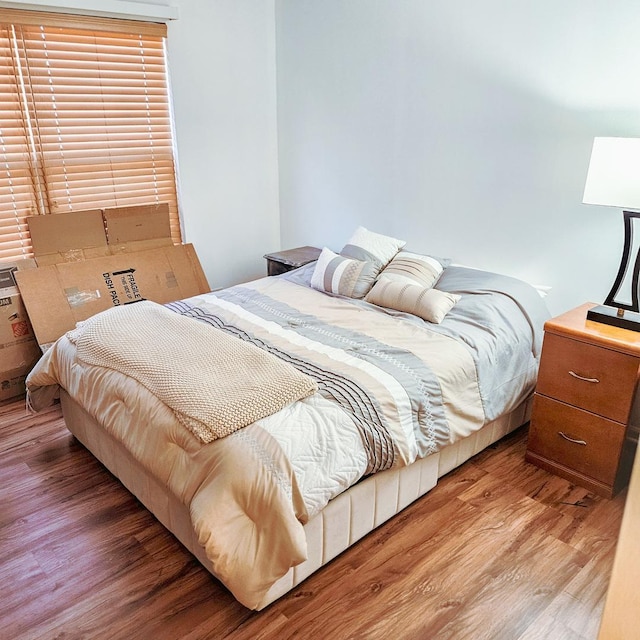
613 180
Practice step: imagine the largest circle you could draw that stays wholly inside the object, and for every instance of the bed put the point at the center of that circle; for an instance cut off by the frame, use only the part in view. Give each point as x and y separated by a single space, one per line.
271 425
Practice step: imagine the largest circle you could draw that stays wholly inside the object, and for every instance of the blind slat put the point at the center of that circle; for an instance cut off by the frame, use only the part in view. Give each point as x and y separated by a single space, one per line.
98 105
17 254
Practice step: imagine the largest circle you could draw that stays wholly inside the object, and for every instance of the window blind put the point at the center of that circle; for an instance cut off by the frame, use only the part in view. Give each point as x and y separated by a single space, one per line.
84 121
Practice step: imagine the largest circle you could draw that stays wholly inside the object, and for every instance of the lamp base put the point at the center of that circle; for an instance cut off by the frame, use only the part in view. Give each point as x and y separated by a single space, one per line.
609 315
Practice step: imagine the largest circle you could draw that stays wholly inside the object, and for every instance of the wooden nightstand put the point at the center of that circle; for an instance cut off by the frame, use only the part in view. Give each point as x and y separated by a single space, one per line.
582 423
283 261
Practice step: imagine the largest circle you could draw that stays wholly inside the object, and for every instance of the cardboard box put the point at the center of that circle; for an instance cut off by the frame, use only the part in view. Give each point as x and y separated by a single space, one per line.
73 237
19 350
68 237
70 284
137 228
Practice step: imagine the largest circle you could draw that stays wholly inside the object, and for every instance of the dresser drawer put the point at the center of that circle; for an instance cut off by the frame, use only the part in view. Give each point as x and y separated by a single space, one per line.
597 442
594 378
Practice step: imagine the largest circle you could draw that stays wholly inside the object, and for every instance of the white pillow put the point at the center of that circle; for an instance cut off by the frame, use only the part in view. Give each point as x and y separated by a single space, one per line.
372 247
426 303
337 274
413 268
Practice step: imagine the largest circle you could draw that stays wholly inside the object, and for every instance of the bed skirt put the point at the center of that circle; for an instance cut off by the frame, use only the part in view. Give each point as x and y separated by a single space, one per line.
345 520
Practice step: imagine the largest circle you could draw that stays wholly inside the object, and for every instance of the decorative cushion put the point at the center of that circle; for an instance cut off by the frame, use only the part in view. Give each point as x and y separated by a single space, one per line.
413 268
347 277
372 247
426 303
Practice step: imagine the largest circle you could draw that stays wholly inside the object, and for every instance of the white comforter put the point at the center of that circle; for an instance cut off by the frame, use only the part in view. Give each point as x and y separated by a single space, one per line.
250 492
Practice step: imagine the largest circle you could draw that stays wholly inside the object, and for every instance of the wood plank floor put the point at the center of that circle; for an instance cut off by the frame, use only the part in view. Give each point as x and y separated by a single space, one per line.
498 550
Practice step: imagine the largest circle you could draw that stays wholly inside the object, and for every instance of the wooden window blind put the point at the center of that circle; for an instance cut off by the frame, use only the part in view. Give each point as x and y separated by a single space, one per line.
85 120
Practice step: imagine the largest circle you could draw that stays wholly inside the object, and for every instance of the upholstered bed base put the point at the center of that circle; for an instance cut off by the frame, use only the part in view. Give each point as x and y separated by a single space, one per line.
346 519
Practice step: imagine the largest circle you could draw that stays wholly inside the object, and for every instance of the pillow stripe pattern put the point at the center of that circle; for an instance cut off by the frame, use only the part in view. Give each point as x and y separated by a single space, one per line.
376 250
360 253
344 276
426 303
413 268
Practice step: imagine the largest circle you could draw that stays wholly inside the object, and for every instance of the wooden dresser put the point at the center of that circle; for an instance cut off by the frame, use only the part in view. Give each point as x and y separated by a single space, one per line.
583 424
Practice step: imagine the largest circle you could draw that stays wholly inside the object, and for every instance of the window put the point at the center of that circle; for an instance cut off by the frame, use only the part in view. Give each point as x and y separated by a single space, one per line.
85 119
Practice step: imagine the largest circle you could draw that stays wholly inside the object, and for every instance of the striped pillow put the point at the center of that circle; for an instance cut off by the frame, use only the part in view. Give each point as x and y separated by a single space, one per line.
346 277
426 303
413 268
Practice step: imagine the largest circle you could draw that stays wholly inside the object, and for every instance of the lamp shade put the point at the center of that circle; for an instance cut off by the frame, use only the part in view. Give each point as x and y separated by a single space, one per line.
613 178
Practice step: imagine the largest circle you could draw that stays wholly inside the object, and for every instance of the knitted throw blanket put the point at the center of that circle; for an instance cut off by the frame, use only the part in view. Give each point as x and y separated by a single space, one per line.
215 383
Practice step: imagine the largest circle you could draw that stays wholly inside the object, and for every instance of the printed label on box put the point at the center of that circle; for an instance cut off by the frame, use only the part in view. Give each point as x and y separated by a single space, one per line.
122 287
20 328
12 386
7 278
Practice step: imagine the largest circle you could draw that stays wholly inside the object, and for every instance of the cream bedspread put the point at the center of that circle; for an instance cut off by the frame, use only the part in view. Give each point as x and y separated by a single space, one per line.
398 388
241 491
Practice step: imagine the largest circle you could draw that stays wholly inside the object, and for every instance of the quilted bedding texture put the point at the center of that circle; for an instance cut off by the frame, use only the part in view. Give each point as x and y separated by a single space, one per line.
214 383
389 390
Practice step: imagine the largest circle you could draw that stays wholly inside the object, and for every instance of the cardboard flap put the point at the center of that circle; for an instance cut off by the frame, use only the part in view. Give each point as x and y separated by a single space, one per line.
82 235
136 224
65 235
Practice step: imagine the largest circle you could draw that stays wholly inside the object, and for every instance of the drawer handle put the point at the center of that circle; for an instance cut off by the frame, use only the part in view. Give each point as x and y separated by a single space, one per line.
566 437
579 377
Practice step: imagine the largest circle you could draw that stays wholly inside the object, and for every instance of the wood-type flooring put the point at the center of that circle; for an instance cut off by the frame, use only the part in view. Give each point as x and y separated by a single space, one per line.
498 550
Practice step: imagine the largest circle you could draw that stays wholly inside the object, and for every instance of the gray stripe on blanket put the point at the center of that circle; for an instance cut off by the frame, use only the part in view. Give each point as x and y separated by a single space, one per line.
381 453
430 426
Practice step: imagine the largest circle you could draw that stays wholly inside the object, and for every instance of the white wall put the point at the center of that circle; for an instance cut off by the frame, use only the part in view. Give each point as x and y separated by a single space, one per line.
222 66
462 126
